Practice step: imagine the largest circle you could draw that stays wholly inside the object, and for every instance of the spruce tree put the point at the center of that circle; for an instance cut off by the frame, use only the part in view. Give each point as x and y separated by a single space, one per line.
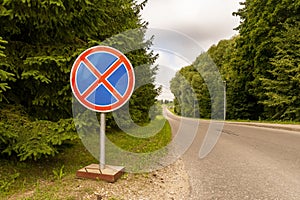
45 37
261 23
282 89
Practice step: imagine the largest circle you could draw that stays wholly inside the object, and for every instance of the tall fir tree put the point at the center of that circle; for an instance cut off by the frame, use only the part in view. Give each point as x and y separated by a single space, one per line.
261 22
282 89
41 40
4 75
44 38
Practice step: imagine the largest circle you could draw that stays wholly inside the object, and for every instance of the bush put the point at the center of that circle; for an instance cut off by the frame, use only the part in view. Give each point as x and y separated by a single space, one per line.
29 139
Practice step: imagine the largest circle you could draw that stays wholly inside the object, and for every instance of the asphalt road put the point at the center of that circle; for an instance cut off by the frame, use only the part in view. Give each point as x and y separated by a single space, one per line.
247 162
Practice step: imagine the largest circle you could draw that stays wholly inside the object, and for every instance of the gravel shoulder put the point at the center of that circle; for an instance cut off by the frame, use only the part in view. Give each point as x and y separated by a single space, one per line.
171 182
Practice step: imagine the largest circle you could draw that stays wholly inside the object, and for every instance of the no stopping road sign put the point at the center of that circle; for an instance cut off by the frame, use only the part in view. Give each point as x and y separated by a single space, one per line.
102 79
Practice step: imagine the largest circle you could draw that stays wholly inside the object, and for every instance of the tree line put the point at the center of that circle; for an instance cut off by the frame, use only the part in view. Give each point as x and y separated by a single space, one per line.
260 66
39 41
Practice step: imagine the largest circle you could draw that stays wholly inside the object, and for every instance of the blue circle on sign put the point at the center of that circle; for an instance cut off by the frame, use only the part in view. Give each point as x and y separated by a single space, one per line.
102 79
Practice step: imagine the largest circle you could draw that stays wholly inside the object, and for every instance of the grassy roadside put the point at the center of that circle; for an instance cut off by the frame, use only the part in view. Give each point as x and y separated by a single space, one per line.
143 145
265 121
252 121
54 178
19 177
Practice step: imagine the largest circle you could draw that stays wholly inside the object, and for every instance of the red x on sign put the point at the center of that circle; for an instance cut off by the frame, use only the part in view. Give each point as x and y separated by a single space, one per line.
102 79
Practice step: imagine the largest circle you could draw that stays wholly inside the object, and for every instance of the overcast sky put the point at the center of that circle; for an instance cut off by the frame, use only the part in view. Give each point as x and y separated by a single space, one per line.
197 25
206 21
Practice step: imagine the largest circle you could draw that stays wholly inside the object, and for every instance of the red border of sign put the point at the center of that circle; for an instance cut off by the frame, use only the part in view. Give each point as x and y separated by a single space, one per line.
124 60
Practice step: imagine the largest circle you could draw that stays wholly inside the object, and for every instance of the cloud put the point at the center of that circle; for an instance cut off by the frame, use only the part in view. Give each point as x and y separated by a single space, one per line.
207 21
175 50
168 64
184 29
174 43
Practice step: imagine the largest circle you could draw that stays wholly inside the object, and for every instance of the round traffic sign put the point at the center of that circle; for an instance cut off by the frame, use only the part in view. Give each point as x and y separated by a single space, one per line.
102 79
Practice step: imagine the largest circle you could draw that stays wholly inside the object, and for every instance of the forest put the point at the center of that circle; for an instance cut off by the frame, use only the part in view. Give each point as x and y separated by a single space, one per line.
260 67
39 41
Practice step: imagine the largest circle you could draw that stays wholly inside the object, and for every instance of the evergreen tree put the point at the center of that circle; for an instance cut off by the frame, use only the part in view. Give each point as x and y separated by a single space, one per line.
282 89
4 75
262 21
197 89
260 65
184 86
44 39
223 54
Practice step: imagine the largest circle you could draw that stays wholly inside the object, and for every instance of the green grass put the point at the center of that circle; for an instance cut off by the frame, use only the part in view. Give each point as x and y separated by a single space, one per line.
265 121
143 145
31 173
54 177
140 154
254 121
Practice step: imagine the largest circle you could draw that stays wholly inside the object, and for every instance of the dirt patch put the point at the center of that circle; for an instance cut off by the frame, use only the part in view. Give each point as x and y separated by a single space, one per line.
168 183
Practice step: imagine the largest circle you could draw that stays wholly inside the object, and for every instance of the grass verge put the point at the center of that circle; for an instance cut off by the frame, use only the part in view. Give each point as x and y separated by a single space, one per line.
265 121
251 121
54 177
143 145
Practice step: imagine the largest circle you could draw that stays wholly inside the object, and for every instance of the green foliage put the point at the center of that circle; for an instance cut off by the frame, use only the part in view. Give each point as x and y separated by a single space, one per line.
262 22
197 89
4 75
260 64
182 92
32 139
44 39
59 174
282 89
226 58
37 176
189 88
7 182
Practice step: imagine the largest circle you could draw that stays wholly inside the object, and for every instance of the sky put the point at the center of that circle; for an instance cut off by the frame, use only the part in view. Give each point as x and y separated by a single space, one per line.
207 21
184 29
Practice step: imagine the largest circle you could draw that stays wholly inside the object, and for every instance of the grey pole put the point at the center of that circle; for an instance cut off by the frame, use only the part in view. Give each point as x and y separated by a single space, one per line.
195 101
102 141
224 100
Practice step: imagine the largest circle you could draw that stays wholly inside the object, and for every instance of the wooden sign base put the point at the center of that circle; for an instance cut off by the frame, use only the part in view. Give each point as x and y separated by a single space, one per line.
93 171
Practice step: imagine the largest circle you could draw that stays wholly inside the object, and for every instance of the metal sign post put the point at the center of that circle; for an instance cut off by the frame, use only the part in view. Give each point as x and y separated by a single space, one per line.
102 141
102 80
